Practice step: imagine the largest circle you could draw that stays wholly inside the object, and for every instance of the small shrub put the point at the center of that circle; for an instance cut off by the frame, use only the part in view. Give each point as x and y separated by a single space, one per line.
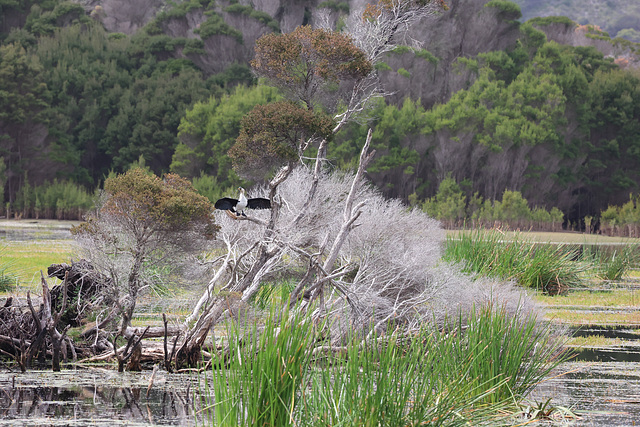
215 25
404 73
8 280
550 20
510 9
426 55
382 66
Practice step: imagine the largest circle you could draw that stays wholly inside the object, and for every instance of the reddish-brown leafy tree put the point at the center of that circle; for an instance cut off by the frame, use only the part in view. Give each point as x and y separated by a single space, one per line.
276 134
143 228
308 63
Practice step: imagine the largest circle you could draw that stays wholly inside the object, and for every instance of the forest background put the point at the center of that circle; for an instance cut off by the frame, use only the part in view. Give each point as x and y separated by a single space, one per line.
494 119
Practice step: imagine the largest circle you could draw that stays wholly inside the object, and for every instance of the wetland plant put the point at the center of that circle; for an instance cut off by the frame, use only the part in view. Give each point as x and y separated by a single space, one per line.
258 381
551 269
612 265
288 373
7 279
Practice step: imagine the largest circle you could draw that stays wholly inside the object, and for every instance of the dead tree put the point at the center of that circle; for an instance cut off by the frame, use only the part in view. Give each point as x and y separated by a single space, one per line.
274 242
50 319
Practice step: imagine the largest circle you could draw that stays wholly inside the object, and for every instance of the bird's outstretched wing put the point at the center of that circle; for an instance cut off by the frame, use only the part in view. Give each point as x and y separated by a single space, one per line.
259 203
226 204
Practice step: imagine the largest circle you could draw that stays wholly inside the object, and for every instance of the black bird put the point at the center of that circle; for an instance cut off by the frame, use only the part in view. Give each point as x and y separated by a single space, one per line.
237 206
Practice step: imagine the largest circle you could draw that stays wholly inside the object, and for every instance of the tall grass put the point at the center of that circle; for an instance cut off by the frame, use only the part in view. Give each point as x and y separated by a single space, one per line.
511 354
259 381
614 264
8 280
277 376
551 269
398 380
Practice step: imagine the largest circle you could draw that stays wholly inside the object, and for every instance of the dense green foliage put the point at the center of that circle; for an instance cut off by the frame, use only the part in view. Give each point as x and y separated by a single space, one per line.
451 206
550 121
78 103
209 130
60 200
622 220
427 377
620 18
556 124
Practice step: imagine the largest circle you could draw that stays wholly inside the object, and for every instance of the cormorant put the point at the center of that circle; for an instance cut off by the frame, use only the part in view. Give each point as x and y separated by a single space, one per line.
238 205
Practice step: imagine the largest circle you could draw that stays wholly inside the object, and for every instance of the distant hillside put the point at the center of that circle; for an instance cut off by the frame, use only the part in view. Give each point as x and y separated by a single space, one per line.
619 18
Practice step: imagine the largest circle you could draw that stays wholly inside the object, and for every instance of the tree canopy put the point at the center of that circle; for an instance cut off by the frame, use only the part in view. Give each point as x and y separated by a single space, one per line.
309 64
142 230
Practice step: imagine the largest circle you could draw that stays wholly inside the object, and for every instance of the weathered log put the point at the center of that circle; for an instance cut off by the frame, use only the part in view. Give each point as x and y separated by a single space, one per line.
152 352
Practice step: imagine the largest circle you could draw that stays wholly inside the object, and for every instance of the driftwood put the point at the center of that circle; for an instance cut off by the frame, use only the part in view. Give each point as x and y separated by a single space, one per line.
84 287
33 330
27 332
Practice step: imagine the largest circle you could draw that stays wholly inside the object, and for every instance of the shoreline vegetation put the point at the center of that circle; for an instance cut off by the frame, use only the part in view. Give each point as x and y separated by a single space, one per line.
451 206
330 407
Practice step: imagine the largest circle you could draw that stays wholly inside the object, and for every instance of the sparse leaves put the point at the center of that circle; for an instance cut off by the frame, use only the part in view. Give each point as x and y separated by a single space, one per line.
143 230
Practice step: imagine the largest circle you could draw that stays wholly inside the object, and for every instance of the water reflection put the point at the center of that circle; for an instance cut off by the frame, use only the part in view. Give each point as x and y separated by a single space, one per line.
90 398
602 394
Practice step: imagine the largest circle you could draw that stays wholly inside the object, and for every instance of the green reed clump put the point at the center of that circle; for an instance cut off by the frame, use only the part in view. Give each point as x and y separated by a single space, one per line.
8 280
281 375
614 264
549 268
552 269
396 380
259 382
512 354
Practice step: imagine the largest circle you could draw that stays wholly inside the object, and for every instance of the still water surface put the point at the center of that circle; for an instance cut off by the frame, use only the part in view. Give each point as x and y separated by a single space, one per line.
97 397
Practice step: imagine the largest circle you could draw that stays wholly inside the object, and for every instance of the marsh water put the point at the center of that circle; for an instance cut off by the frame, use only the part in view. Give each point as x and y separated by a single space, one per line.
600 385
34 230
97 397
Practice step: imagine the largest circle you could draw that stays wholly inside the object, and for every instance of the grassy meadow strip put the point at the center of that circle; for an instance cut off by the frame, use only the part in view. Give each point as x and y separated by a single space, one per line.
547 268
24 260
603 318
272 376
588 299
